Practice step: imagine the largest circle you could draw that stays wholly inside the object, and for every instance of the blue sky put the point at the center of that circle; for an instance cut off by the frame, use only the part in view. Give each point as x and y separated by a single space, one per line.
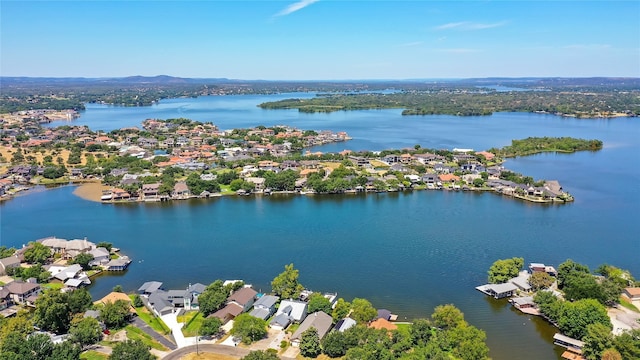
320 40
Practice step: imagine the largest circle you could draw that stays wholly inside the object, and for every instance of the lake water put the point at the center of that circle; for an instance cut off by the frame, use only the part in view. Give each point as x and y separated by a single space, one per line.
407 252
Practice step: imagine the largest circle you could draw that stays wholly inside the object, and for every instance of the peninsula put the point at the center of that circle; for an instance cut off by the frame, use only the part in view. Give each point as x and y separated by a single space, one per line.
178 159
596 312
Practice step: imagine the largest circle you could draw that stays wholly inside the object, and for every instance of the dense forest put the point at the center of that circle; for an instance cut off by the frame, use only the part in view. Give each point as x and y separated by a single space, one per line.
475 102
534 145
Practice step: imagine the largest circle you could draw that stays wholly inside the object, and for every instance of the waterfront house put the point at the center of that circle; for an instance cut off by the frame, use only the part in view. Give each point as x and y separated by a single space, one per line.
24 293
193 292
344 324
150 191
159 303
296 310
100 256
381 323
119 264
632 293
538 267
229 312
149 287
319 320
244 297
7 263
264 307
498 291
180 190
522 281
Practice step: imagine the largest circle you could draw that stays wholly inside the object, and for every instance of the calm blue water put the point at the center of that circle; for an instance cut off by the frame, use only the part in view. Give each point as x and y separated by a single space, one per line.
406 252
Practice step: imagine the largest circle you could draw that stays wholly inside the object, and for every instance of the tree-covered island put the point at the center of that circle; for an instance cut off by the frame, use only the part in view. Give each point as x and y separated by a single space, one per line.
181 159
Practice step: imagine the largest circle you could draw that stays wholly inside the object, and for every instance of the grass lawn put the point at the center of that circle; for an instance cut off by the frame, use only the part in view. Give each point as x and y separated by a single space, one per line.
155 323
53 286
193 321
226 189
378 164
93 355
134 333
628 305
404 328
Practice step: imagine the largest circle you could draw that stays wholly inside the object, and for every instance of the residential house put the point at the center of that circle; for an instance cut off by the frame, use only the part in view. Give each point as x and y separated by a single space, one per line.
381 323
294 310
193 292
100 255
150 191
159 303
7 263
119 264
632 293
264 307
149 287
498 291
229 312
344 324
24 293
180 190
319 320
244 297
257 181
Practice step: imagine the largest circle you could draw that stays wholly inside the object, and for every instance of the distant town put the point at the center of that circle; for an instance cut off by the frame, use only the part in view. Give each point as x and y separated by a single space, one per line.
179 159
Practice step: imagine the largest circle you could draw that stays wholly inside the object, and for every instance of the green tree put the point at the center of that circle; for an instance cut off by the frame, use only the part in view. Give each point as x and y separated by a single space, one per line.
341 310
569 267
362 311
310 343
286 284
39 347
83 259
470 343
210 326
503 270
52 312
317 302
334 344
213 297
447 316
118 288
131 350
66 350
37 253
577 315
115 314
579 285
106 245
249 328
137 301
261 355
85 332
421 332
628 344
540 280
598 338
4 252
79 301
611 354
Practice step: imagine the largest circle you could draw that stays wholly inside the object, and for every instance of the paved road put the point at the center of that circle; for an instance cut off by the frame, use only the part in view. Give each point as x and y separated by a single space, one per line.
158 337
210 348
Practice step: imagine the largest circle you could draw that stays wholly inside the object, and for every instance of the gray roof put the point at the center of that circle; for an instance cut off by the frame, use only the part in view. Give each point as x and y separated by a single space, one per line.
319 320
298 309
150 286
9 261
503 288
282 320
266 301
196 288
344 324
260 313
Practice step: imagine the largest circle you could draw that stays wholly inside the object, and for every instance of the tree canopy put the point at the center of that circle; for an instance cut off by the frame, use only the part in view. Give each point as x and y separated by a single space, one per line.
286 284
249 328
503 270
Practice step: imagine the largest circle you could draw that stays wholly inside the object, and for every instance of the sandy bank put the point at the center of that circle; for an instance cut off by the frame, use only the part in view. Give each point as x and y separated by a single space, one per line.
90 191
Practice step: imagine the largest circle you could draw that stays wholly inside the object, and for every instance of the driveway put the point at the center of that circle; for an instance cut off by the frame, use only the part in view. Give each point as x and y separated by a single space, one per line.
158 337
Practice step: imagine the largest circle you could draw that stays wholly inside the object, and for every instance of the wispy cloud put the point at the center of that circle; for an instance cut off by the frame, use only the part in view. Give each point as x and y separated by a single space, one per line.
469 26
295 7
410 44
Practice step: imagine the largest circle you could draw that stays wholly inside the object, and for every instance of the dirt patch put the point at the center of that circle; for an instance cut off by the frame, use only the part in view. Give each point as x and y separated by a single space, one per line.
90 191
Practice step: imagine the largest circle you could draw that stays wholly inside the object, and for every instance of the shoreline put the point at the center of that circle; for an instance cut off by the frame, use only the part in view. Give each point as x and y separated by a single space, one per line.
91 191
